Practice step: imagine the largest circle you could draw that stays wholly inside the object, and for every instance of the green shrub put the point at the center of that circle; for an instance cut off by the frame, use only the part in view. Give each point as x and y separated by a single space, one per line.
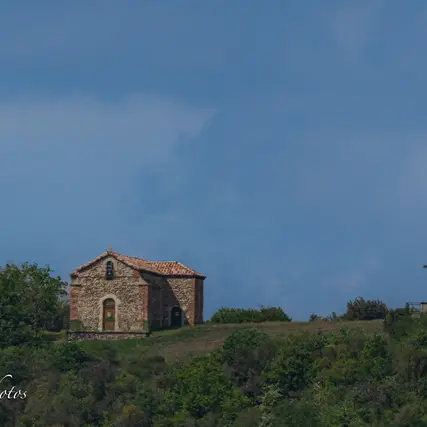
146 326
295 364
143 367
76 326
274 314
15 361
199 388
246 352
347 377
69 356
61 319
398 321
361 309
316 318
242 315
48 336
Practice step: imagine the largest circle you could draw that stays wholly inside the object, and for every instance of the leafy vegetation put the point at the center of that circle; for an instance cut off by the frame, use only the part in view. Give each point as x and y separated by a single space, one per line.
30 302
324 373
345 377
76 325
361 309
357 309
241 315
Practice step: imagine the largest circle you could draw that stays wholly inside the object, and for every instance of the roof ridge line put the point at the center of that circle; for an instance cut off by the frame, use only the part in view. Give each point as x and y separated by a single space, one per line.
131 256
138 263
163 261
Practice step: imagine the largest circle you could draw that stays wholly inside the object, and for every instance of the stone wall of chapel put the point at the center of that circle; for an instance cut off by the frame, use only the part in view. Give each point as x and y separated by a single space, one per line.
92 287
198 301
179 291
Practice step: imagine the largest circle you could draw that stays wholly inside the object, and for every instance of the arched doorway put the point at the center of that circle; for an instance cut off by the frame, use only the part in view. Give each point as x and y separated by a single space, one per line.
109 315
176 317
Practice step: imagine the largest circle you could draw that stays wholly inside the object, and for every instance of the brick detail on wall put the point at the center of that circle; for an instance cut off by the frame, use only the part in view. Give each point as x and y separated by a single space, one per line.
74 302
201 299
193 304
198 299
141 312
141 297
146 299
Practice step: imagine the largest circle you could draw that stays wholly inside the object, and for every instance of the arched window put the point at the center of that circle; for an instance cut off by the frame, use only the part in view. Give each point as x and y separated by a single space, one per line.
110 270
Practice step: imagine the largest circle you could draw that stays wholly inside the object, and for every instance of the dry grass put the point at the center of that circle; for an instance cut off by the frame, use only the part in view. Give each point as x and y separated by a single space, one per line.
206 338
188 342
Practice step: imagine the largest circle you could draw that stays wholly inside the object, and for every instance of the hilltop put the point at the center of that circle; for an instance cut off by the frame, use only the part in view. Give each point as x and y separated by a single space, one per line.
186 342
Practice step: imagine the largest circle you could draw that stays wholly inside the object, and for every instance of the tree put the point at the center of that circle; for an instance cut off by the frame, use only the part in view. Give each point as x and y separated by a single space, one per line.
61 319
245 353
269 400
361 309
30 299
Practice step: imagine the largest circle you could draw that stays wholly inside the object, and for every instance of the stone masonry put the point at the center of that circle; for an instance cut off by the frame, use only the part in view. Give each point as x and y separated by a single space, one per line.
144 294
100 336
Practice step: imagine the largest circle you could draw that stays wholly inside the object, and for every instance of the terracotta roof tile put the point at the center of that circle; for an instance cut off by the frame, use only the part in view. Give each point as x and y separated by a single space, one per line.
164 268
173 268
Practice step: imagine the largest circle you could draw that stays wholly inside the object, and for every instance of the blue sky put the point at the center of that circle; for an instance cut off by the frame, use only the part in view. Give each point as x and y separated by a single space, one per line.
278 147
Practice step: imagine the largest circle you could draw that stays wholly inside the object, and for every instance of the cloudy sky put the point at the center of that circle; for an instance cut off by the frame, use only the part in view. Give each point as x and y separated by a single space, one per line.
278 147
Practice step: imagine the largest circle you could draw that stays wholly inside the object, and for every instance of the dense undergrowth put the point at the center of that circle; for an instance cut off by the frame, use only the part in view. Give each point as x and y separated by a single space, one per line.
347 377
241 315
343 378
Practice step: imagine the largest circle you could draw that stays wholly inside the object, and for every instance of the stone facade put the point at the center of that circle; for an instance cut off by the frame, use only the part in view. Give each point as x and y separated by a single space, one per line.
144 293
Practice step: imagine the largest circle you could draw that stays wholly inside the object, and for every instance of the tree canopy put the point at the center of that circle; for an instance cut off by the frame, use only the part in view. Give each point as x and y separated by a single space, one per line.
30 300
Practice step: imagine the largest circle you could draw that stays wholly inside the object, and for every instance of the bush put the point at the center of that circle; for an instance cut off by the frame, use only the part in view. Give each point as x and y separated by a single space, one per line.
60 319
346 377
361 309
200 387
69 356
397 321
246 352
76 326
295 364
49 336
243 342
241 315
316 318
15 361
274 314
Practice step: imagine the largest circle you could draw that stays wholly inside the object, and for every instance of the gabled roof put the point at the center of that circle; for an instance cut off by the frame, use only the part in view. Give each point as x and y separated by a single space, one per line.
163 268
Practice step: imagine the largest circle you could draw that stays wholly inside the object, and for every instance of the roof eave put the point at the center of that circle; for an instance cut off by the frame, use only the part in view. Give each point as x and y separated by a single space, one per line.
142 270
119 258
198 276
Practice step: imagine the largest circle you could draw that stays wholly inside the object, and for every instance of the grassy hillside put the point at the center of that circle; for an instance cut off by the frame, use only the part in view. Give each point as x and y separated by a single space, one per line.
347 370
276 374
187 342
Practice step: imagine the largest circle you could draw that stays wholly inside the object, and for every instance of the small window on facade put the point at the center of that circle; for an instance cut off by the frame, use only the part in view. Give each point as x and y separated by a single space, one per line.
110 270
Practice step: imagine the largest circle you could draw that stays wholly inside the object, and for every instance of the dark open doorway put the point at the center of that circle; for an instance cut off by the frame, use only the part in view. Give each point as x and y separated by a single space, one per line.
176 317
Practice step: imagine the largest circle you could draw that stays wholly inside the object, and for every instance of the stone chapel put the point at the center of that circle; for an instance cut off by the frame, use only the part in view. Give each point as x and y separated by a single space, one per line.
119 293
